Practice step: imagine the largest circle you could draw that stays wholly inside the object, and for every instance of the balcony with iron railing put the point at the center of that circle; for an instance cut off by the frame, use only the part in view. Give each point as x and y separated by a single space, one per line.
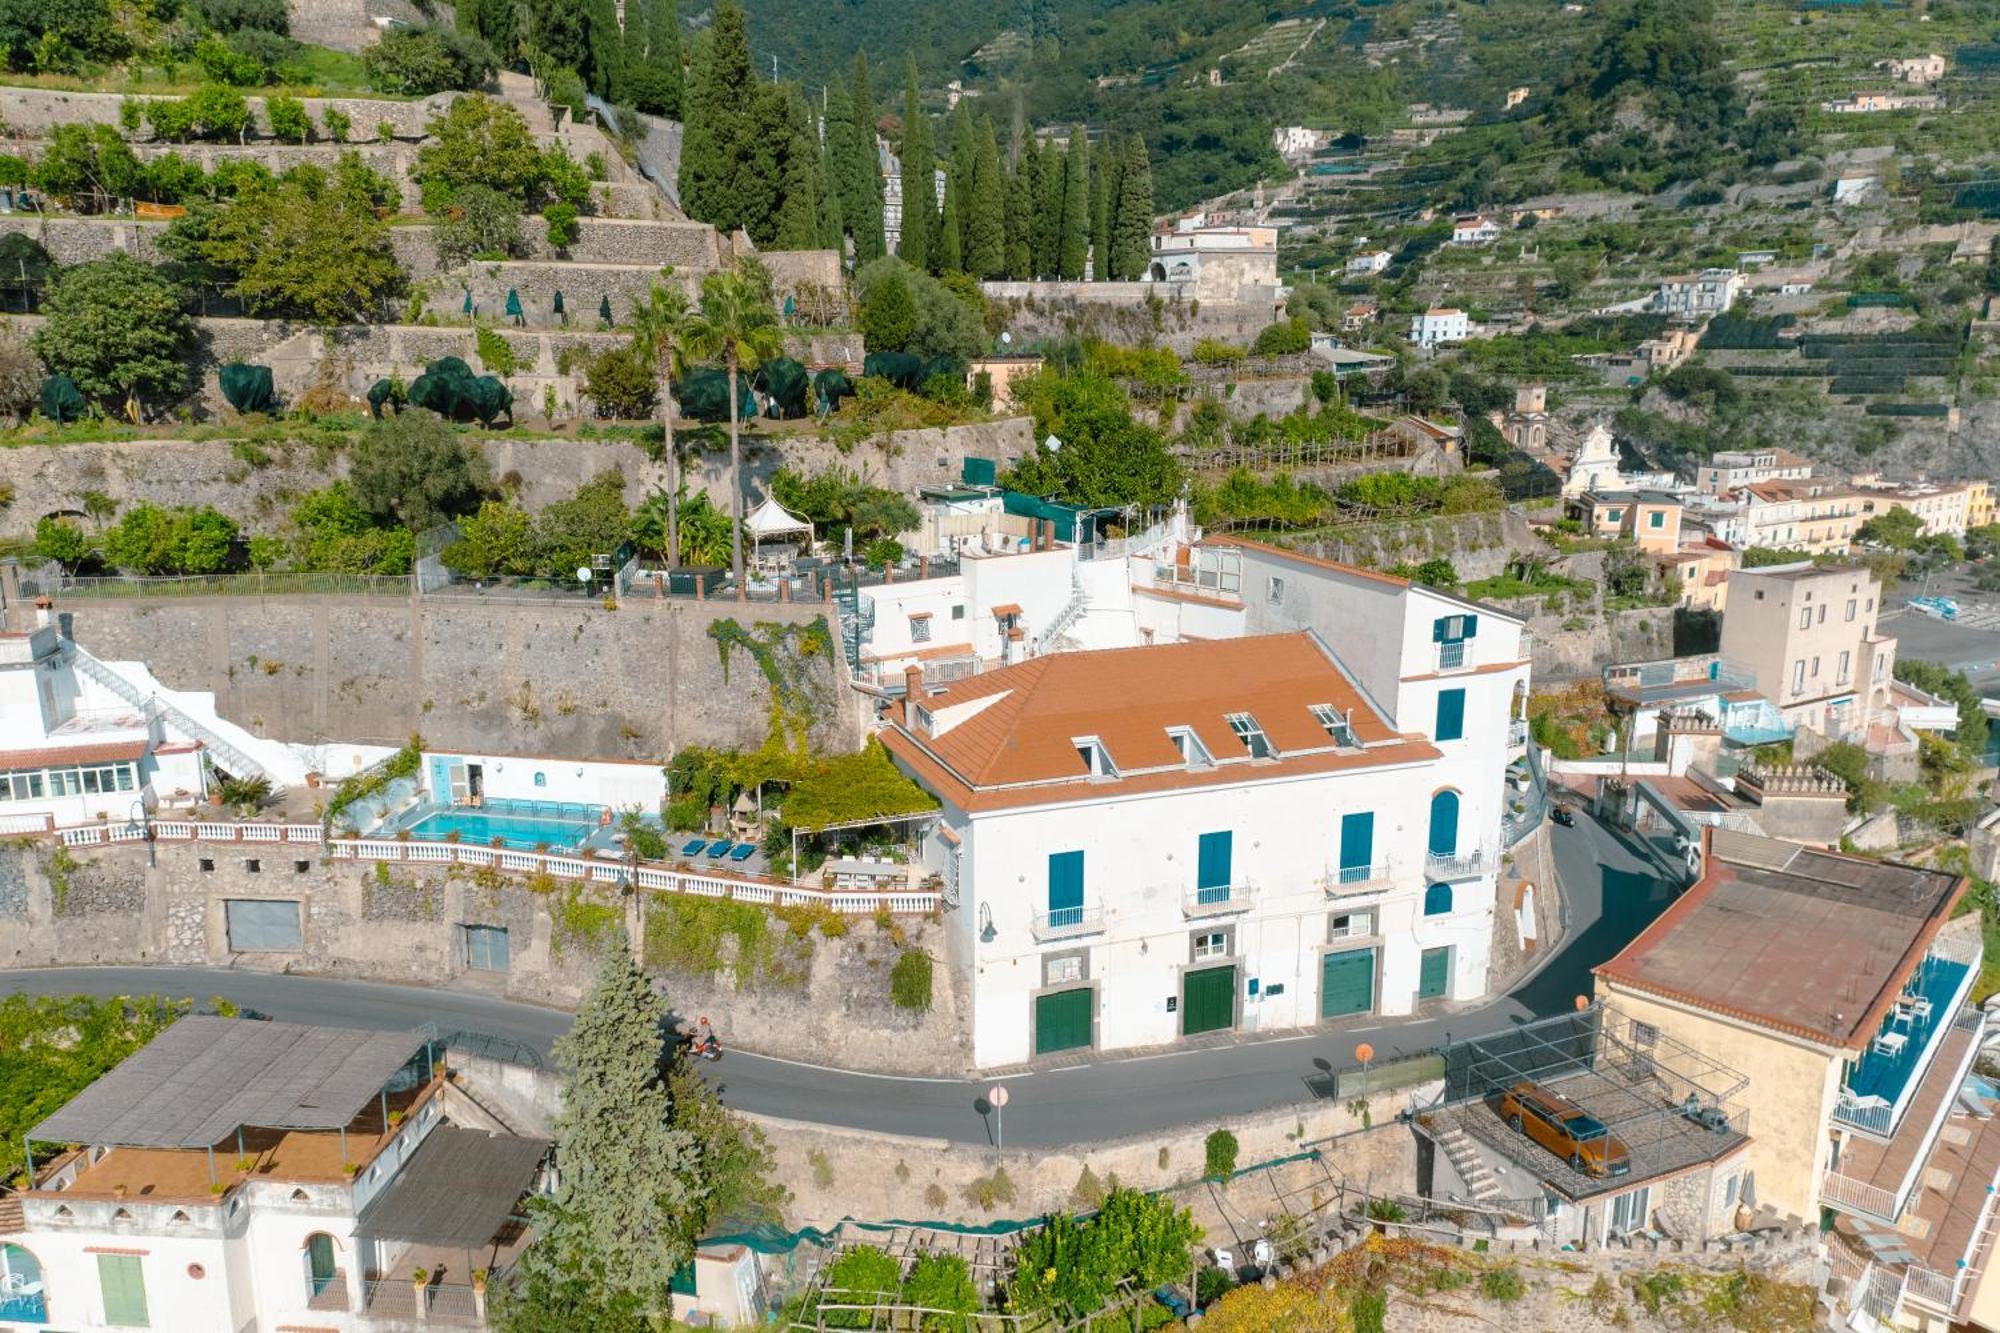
1882 1084
1342 881
1470 863
1215 900
1066 923
1455 656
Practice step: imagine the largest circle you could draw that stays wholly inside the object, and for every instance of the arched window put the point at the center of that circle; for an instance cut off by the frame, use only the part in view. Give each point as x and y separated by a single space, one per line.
1444 824
541 779
21 1295
1437 900
320 1270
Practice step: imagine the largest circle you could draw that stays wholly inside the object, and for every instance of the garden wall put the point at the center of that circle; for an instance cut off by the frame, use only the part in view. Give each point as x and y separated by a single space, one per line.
109 905
1126 312
1478 545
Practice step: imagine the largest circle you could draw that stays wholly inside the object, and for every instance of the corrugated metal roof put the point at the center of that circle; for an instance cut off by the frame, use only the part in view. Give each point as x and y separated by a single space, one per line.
456 1190
205 1076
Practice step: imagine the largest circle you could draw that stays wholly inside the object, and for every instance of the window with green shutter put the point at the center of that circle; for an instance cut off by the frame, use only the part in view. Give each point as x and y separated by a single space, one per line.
1212 867
124 1290
1451 715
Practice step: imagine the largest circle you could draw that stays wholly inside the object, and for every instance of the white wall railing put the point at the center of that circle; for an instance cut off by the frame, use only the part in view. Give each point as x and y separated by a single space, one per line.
1218 901
1858 1196
1067 923
1468 864
1341 880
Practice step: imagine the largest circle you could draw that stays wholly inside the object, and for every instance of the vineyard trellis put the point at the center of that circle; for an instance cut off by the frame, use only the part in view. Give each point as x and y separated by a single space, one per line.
1379 446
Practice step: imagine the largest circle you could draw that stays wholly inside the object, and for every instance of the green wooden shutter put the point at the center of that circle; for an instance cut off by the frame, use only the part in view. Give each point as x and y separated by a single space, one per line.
1208 1000
1444 824
1212 867
1062 1021
124 1290
1065 888
1347 983
1357 841
1451 715
1434 974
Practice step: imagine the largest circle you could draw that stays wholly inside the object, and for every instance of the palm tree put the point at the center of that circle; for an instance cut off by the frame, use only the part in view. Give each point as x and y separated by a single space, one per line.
736 325
659 330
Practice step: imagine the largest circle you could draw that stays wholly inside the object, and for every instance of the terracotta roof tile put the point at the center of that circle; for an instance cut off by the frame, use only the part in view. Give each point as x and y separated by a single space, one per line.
103 752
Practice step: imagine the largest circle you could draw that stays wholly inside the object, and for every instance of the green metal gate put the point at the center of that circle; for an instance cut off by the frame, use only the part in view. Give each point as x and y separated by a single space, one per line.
1347 983
1062 1020
1434 974
1208 1000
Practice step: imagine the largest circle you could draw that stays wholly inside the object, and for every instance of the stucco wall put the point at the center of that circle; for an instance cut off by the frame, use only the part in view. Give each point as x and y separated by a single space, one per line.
565 678
1790 1093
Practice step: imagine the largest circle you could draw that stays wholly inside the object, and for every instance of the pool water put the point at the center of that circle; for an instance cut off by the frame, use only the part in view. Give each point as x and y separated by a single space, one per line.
560 826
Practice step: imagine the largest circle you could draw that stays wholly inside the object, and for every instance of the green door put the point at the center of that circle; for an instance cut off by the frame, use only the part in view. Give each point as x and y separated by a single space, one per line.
1347 983
124 1290
1434 974
1062 1021
1208 1000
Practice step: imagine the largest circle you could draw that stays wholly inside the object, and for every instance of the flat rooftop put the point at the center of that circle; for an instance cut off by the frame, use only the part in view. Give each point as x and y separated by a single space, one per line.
1808 943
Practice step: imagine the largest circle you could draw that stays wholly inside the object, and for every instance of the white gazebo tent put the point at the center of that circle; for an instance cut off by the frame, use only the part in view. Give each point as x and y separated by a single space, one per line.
770 522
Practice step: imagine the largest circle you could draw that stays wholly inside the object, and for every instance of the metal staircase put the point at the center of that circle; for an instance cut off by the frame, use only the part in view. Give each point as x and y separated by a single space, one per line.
226 756
857 621
1050 639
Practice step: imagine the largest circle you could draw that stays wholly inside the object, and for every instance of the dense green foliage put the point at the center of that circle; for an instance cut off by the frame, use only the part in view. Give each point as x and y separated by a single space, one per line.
1106 458
117 328
424 60
412 469
52 1047
1077 1266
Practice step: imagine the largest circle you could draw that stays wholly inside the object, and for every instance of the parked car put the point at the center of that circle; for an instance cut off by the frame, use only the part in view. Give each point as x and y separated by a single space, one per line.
1565 1129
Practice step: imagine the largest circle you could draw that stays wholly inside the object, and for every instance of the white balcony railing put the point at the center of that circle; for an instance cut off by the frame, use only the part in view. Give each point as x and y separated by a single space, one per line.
1066 923
1858 1197
1222 900
1517 734
1930 1288
1468 864
1454 656
1344 880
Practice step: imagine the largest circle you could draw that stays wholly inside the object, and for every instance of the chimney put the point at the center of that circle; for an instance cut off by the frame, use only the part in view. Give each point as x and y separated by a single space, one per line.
913 690
42 606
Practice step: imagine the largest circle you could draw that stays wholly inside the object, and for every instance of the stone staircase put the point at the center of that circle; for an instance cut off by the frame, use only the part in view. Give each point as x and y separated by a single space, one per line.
1481 1185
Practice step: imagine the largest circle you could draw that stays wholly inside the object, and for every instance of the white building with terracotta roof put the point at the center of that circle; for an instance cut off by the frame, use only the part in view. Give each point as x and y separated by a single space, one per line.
1439 325
1249 834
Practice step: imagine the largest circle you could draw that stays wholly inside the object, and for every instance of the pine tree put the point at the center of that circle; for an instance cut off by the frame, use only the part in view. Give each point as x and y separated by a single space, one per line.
667 87
1075 227
1021 219
862 197
1132 215
1100 210
950 249
630 1195
717 180
985 239
919 186
1048 213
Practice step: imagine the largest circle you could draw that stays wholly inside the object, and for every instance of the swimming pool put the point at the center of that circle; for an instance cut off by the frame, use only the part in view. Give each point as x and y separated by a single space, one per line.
524 825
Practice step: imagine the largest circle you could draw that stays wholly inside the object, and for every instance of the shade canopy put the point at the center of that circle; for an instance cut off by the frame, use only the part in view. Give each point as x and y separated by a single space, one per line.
771 520
458 1189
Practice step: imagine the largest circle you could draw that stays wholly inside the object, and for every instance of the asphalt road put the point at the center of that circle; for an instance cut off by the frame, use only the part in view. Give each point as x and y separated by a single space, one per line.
1612 893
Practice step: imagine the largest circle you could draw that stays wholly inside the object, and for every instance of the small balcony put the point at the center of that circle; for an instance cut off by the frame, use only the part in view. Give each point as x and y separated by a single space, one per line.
1454 656
1517 734
1067 923
1880 1087
1449 866
1216 900
1343 881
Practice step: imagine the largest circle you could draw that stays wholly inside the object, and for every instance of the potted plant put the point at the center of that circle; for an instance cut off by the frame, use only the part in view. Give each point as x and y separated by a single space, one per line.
479 1293
395 1118
454 836
350 1170
312 778
402 835
219 1188
245 1163
419 1279
496 843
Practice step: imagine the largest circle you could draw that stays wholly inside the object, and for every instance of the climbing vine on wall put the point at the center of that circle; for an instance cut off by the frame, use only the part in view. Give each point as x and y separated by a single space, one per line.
797 664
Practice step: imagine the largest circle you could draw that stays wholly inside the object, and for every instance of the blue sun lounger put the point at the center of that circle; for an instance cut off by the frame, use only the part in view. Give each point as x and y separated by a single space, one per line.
744 851
695 847
718 850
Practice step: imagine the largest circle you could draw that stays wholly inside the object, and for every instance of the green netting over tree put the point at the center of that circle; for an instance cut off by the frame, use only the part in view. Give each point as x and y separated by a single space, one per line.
704 395
248 388
899 368
830 386
384 393
61 399
785 382
948 367
449 388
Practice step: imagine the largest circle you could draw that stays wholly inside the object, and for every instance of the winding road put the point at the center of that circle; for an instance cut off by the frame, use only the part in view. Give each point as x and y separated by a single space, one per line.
1612 892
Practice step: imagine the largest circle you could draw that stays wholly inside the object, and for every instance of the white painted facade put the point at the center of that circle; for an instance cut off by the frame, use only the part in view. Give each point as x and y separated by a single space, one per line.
612 783
1438 326
1374 261
1697 295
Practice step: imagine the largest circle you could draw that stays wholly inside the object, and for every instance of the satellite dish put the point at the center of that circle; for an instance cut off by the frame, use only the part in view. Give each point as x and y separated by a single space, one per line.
583 573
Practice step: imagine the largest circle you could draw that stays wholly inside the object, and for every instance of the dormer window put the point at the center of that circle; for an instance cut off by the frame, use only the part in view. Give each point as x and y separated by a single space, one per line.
1253 737
1337 725
925 722
1193 753
1096 759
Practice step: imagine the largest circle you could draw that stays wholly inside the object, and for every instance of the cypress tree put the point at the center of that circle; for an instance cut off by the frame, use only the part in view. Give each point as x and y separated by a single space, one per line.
985 238
632 50
964 150
1021 218
832 225
1132 216
950 251
602 69
718 173
862 197
1100 210
1075 230
919 185
1048 213
561 31
799 205
667 83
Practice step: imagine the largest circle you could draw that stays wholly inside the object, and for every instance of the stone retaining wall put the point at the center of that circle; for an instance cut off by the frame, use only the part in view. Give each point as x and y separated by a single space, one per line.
35 112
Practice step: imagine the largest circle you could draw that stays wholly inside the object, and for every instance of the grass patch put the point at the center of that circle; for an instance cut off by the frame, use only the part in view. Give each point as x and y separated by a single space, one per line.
687 934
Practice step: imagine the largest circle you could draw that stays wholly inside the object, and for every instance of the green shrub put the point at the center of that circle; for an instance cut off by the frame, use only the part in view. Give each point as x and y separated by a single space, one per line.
862 1276
1215 352
910 980
1503 1284
1211 1284
1386 1210
942 1283
1220 1149
986 1192
1368 1309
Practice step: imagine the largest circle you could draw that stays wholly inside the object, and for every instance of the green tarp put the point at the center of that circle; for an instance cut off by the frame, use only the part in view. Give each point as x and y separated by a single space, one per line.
381 393
899 368
1072 524
784 382
943 367
248 388
449 388
830 386
61 399
704 396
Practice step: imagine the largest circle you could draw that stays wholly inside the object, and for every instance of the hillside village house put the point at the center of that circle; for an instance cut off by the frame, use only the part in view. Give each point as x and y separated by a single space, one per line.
1123 828
72 750
1437 326
1806 637
1945 510
1920 70
1734 468
1474 230
1792 516
1698 295
1217 263
1374 261
1841 987
1979 504
213 1189
1651 520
